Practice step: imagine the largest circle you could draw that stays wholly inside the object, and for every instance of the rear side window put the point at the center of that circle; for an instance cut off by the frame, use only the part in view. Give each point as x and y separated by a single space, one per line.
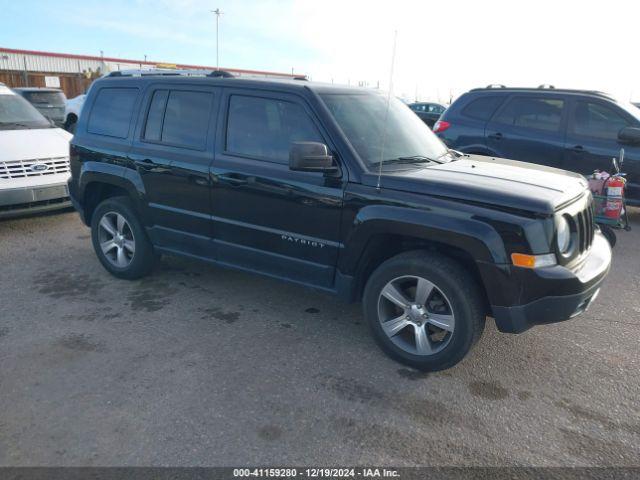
179 118
153 127
482 108
531 112
265 128
597 120
111 112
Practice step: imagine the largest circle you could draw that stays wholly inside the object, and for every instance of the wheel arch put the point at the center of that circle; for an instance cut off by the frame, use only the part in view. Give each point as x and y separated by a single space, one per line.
386 233
102 181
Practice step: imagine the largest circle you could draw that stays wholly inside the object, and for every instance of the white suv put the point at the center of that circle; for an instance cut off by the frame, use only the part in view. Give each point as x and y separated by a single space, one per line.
34 159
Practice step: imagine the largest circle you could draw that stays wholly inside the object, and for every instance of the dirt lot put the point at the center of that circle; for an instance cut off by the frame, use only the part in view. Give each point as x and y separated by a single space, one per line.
197 365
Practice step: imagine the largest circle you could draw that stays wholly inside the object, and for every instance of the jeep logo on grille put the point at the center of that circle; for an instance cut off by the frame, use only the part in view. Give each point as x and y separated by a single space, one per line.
39 167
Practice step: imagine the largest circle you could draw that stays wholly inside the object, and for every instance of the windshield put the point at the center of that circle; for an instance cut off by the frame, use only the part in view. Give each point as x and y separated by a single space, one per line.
361 116
55 99
16 112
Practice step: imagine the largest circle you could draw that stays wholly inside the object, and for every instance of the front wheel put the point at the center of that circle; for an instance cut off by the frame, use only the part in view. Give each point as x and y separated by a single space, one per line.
424 310
119 239
609 234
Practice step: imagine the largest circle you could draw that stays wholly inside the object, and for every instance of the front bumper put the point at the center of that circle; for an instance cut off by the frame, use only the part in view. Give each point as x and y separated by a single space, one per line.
560 292
24 200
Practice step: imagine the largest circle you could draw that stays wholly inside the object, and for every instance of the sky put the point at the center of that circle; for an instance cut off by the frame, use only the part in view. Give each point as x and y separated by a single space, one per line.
442 48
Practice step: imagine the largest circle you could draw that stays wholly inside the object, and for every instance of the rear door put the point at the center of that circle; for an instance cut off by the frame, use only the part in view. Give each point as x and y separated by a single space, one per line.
529 128
266 217
172 151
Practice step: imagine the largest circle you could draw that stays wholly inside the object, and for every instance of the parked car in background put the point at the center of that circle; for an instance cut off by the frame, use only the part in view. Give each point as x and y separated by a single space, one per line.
574 130
50 102
429 113
34 159
335 188
72 112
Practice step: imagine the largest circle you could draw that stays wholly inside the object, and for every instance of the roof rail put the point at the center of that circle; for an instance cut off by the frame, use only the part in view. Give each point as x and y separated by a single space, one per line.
496 85
547 85
301 77
543 87
170 72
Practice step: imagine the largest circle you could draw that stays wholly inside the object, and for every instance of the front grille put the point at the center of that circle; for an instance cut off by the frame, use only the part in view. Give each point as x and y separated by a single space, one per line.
25 168
584 225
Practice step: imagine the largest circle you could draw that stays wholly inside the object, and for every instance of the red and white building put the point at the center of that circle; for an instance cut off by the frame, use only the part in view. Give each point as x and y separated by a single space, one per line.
74 73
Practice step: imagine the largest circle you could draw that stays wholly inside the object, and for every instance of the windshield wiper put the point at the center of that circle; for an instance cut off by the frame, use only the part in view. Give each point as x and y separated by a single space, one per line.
412 159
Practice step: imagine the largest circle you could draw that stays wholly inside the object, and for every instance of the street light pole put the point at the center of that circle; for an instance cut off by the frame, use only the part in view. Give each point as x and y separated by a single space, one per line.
218 12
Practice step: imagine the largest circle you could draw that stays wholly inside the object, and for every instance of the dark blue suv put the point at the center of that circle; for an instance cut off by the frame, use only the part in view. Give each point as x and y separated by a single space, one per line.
573 130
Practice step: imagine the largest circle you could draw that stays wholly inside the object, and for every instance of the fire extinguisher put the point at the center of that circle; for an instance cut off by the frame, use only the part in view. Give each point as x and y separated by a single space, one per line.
615 191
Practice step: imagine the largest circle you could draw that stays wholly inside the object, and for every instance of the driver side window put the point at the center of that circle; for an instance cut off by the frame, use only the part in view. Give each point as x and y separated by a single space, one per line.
265 128
596 120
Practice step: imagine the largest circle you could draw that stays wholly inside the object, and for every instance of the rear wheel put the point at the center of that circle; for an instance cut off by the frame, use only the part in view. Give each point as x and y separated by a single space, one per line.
424 310
70 124
119 239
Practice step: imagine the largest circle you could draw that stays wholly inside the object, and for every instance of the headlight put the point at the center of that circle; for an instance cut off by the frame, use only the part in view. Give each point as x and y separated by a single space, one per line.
563 235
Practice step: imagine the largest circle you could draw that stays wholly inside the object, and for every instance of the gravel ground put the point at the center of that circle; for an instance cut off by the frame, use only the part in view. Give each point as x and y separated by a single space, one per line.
200 366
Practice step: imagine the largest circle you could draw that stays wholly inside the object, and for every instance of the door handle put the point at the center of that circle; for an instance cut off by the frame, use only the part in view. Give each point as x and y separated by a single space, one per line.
203 182
495 136
232 180
146 164
577 149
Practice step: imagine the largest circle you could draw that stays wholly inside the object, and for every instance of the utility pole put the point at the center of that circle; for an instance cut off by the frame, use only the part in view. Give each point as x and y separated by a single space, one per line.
218 12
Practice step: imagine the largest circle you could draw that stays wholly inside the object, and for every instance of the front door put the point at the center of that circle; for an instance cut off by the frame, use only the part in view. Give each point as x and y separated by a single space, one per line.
529 129
267 218
592 142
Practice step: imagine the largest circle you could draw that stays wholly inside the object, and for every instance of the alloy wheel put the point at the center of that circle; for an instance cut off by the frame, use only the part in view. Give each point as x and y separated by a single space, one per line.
116 239
416 315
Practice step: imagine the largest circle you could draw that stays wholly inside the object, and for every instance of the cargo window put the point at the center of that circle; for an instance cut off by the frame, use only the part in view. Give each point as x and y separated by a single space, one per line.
265 128
533 112
111 112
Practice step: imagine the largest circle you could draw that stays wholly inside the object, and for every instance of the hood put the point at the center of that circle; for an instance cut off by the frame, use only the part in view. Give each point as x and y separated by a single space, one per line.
494 181
30 144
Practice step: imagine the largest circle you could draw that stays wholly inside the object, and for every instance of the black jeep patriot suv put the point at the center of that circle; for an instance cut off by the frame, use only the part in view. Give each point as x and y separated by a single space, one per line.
338 189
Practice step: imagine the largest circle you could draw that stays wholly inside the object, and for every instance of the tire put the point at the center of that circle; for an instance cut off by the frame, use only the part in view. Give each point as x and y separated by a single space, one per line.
70 125
609 234
129 256
452 316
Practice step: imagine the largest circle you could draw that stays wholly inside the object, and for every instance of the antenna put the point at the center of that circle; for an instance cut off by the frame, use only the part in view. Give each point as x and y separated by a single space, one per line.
386 114
217 12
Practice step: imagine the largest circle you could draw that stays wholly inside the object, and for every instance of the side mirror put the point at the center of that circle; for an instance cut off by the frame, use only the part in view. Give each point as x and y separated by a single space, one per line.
311 157
629 135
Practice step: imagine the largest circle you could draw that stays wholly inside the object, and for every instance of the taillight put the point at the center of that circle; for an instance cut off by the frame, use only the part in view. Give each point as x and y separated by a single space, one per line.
440 126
